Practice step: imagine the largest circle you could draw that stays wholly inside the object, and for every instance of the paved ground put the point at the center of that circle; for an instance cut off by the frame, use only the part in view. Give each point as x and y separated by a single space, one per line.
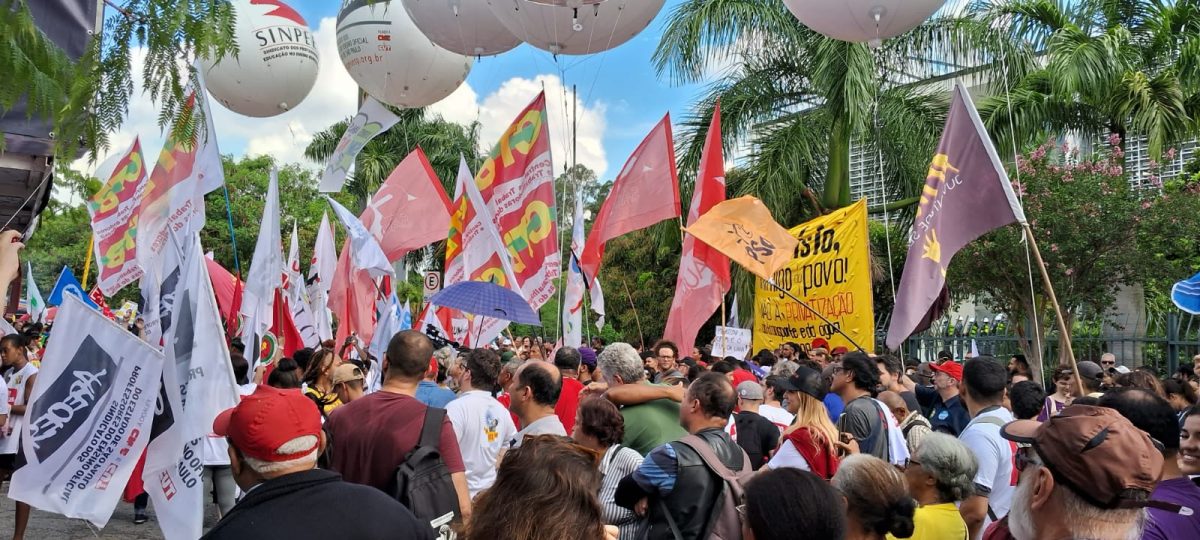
46 526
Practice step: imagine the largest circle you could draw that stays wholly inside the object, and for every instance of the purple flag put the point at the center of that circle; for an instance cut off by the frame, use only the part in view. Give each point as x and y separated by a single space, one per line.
967 193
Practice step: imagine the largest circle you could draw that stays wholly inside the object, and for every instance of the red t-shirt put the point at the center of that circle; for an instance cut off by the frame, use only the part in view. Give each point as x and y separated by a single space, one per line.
372 434
568 402
506 400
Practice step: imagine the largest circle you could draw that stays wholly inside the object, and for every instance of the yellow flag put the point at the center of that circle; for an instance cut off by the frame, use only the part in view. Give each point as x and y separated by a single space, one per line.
744 231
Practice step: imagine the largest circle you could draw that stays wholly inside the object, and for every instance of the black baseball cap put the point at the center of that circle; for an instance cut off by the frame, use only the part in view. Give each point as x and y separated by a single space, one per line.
806 380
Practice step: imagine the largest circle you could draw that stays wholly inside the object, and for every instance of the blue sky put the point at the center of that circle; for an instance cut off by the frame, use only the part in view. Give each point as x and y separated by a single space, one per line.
620 95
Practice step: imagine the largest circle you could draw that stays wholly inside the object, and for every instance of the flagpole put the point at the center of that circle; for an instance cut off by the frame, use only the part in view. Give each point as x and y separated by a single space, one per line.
1058 316
804 304
724 323
87 265
638 320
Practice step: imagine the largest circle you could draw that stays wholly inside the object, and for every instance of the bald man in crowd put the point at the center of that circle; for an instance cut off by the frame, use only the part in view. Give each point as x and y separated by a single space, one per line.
534 392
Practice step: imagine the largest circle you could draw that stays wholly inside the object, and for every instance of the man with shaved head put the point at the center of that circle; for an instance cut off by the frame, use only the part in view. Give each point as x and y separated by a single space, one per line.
372 435
534 391
913 424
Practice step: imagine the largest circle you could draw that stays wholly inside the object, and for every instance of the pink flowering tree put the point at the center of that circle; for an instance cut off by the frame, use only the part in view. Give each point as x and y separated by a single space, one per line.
1093 231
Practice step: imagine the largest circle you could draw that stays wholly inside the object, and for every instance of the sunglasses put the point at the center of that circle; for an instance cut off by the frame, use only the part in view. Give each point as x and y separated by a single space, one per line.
908 462
1024 458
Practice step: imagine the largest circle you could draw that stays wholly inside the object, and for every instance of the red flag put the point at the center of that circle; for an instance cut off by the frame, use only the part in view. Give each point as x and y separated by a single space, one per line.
410 210
646 192
228 290
703 271
284 328
352 299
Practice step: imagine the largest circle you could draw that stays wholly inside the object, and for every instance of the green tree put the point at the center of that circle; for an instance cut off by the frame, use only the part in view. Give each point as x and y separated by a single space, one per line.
1124 67
1095 233
85 99
63 231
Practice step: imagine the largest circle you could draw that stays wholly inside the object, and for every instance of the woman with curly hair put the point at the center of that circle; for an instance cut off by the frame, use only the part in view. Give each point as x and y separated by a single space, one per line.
939 476
599 426
545 490
318 380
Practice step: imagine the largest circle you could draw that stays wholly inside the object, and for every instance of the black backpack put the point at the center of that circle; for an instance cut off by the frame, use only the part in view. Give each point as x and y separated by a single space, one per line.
423 483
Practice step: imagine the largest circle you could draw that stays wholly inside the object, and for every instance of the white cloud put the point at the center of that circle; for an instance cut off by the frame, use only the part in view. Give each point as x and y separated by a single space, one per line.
496 111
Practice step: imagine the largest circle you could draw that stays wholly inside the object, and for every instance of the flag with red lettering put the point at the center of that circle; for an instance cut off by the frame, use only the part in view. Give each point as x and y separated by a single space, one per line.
516 181
644 193
113 210
703 271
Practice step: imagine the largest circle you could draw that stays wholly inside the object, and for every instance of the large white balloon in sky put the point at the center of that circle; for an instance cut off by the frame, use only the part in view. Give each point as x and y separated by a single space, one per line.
276 64
466 27
863 21
389 57
586 29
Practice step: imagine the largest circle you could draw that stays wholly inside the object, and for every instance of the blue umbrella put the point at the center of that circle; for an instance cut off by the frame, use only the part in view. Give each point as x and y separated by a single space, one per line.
487 299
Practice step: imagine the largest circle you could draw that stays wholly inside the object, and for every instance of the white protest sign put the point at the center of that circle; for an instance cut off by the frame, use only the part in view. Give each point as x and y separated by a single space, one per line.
730 341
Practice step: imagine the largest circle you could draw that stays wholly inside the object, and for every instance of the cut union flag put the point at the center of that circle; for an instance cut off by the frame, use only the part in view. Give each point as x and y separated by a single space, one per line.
516 181
113 210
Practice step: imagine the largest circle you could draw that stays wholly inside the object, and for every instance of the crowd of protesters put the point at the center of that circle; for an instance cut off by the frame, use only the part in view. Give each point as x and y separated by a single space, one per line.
533 441
525 440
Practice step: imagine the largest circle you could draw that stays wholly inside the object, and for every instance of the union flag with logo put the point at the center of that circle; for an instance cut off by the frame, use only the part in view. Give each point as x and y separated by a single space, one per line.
113 210
967 193
517 184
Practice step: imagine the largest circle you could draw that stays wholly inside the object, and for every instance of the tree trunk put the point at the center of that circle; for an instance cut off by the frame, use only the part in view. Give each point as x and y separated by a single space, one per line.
837 176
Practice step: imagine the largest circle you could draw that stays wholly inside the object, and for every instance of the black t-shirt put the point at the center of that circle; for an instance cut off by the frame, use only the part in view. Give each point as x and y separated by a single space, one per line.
757 436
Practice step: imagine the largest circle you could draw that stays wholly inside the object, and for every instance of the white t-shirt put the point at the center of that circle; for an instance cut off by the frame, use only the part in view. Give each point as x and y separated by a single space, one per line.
4 407
777 415
10 439
483 427
788 456
996 475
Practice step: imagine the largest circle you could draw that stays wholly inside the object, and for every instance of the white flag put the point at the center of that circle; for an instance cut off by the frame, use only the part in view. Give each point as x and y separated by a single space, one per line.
88 418
159 285
33 297
297 296
573 298
391 320
364 248
320 277
266 272
204 386
372 119
733 313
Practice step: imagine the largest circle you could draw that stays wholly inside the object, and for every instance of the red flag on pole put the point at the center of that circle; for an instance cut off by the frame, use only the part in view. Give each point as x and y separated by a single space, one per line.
352 299
644 193
410 210
703 271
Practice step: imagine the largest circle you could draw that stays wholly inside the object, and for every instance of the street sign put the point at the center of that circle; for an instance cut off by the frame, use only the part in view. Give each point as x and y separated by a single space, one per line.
433 283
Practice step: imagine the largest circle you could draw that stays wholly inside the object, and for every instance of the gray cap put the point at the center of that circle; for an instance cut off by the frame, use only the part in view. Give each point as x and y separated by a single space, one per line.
1090 370
750 390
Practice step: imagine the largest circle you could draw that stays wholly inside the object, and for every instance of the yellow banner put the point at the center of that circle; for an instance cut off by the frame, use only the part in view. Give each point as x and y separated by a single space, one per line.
832 273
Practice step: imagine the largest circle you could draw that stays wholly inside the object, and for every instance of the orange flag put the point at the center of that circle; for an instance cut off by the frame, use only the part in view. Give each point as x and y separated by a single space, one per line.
744 231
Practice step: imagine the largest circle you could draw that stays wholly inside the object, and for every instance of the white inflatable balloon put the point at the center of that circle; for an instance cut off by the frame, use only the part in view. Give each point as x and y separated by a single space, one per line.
389 57
466 27
586 29
276 64
863 21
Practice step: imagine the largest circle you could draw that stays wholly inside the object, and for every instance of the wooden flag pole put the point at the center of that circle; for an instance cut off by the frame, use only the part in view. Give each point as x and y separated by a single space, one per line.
87 265
1058 316
638 320
724 323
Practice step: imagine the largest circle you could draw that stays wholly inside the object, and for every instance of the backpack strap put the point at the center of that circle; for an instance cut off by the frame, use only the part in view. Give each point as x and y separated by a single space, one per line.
713 462
431 430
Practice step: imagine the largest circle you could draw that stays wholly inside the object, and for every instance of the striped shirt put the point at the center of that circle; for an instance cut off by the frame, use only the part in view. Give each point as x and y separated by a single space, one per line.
618 462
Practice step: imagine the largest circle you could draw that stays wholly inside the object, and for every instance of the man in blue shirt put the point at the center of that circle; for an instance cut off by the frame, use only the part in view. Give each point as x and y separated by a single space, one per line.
428 391
949 414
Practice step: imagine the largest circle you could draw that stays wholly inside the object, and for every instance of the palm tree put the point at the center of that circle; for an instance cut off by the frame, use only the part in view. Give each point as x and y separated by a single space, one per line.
799 100
1121 67
442 141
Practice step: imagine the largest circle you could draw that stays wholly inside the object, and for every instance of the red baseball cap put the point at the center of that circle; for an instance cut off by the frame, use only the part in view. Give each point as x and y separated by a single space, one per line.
267 419
820 343
953 369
